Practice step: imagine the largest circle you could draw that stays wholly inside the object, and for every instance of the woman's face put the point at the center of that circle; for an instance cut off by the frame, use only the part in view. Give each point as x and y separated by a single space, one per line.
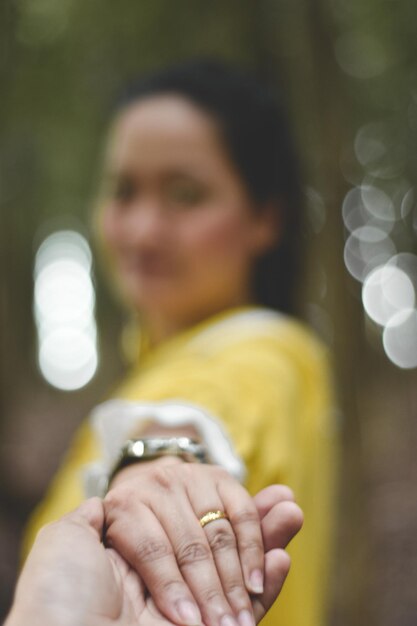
178 220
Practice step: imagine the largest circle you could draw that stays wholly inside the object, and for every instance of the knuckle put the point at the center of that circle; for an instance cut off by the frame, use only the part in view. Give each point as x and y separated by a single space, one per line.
146 550
213 596
246 515
163 477
117 498
221 541
169 587
191 552
236 589
251 545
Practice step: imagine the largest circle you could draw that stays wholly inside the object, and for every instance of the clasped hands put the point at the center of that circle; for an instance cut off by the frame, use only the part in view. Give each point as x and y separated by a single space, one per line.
159 566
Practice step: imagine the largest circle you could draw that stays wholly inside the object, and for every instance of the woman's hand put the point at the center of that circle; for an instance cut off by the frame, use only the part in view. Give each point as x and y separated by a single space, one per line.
194 574
70 578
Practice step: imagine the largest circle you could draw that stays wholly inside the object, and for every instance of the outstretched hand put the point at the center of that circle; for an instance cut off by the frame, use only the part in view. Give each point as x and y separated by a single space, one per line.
71 578
194 575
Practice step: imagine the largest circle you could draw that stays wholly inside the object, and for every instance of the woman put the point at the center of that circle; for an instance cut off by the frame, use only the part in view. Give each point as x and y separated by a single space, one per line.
199 221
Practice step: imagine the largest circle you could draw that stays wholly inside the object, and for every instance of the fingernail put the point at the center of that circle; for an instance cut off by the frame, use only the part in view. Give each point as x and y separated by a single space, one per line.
189 613
228 620
246 618
256 581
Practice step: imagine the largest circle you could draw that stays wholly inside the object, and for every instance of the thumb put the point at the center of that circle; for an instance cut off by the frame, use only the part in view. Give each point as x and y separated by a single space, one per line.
89 513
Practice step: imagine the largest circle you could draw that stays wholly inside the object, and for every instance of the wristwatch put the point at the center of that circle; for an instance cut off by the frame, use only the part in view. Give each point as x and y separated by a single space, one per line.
149 448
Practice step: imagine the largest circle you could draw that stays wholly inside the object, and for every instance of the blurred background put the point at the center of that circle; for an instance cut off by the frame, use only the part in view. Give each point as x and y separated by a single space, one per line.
348 69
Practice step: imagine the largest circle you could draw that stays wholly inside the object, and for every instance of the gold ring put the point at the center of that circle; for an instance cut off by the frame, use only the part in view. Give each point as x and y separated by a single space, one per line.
212 516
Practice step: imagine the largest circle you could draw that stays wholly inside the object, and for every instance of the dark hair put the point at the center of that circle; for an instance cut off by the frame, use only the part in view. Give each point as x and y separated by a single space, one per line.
256 134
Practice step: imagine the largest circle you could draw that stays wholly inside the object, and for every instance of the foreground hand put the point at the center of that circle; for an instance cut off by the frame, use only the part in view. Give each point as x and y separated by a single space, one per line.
70 578
194 574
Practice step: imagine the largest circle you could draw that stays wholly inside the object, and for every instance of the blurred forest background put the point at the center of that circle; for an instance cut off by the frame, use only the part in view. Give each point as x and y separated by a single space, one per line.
348 69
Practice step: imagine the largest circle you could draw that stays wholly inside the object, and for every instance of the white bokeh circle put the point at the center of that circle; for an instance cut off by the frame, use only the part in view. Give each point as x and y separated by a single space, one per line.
387 290
400 339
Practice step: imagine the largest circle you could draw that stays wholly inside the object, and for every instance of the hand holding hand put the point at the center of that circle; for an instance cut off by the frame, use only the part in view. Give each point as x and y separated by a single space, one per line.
70 578
194 574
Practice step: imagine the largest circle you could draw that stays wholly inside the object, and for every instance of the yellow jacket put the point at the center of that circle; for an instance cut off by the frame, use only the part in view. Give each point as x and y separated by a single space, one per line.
267 378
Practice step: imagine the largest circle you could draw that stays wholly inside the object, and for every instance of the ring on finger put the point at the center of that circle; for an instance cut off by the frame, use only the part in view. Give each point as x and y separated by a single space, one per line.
212 516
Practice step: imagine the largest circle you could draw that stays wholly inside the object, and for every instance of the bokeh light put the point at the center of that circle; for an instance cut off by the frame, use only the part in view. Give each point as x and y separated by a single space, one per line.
68 358
375 213
407 203
400 339
370 148
64 305
386 291
378 151
368 205
378 203
63 294
407 262
354 213
366 248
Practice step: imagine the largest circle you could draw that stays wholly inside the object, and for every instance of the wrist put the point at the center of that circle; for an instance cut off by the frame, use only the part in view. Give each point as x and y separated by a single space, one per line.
140 451
130 471
115 421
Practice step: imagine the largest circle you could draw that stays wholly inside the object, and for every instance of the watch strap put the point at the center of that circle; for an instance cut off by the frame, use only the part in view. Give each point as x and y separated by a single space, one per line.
150 448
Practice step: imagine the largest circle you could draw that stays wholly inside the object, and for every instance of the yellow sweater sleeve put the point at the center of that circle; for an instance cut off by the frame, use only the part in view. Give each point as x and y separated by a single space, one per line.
273 396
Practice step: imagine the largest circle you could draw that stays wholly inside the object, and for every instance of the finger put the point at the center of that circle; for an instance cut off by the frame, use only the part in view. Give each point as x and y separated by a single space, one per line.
146 547
245 522
196 560
277 565
222 541
91 512
268 497
281 524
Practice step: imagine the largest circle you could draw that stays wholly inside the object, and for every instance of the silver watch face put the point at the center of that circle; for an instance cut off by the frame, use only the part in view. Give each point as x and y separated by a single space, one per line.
137 448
